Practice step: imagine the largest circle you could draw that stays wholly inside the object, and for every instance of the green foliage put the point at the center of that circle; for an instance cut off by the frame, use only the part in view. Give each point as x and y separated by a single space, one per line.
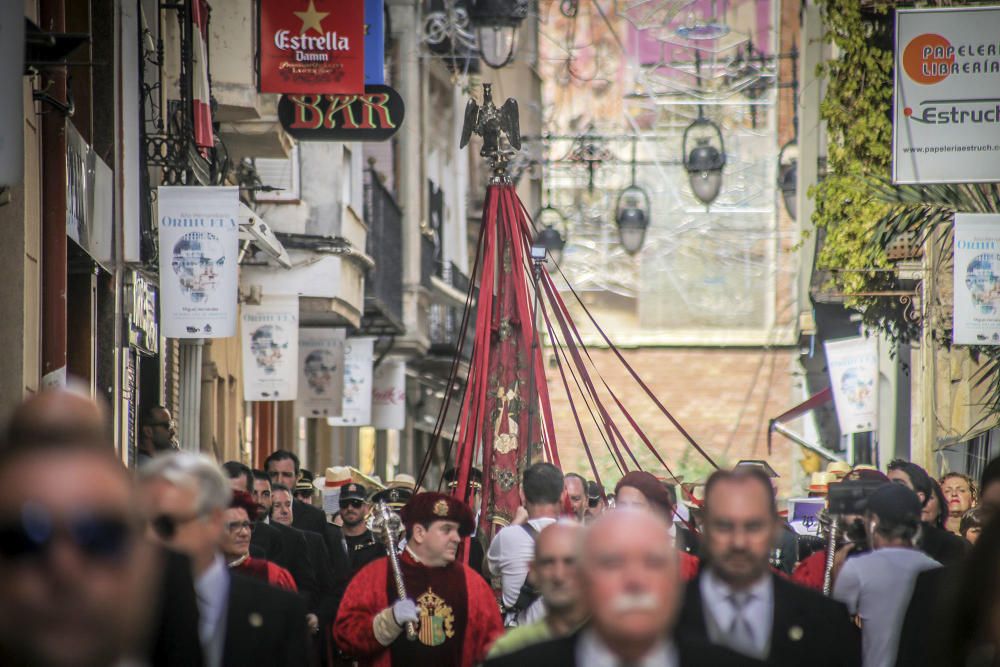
856 107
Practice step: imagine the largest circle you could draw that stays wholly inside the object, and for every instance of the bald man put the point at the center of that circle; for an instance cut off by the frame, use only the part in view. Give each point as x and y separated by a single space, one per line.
629 577
61 436
555 574
77 577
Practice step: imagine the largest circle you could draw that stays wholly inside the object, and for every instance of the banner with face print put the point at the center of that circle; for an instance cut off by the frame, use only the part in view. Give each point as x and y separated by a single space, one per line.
977 279
358 366
270 333
321 373
199 248
853 364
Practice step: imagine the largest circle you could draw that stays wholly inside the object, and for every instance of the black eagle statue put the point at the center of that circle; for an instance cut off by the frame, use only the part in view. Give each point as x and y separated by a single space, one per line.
490 123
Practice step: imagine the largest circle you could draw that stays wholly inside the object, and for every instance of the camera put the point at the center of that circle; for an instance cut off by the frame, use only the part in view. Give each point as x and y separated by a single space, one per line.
851 495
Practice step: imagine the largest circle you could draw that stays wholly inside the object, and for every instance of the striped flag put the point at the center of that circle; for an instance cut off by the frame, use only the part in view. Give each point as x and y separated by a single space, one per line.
201 93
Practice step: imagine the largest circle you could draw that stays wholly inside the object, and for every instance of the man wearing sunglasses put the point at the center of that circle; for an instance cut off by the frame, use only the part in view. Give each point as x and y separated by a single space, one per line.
359 542
241 621
158 433
75 573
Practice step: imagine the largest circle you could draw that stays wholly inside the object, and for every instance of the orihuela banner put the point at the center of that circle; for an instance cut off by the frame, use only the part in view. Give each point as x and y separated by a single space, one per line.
977 279
270 332
199 247
358 362
321 372
853 364
946 122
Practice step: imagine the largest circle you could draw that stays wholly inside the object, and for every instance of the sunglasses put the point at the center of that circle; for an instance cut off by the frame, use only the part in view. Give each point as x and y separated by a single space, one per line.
103 537
356 504
593 502
165 526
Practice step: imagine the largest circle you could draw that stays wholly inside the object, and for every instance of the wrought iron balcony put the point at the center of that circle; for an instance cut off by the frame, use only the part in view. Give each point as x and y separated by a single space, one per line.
384 283
445 326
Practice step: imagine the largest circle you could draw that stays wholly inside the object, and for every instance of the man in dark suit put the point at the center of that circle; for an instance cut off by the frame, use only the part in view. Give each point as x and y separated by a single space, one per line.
279 544
264 625
240 621
629 578
737 601
282 467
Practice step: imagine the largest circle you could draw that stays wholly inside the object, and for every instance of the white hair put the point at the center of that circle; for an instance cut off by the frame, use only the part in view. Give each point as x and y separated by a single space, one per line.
196 472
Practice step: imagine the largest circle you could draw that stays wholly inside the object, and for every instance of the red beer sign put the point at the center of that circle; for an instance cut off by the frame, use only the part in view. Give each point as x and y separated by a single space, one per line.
312 46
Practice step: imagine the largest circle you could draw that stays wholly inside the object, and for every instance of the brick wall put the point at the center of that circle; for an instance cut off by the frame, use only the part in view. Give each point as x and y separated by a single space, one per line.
723 397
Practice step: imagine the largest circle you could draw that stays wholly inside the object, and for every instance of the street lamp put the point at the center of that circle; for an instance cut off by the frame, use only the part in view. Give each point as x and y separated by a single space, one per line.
705 161
632 217
549 237
788 167
496 23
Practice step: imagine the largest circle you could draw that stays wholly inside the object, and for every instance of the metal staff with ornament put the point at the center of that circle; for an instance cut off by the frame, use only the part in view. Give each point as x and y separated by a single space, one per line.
388 525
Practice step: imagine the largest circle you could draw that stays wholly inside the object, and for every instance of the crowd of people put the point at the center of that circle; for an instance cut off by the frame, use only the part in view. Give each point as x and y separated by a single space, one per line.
188 562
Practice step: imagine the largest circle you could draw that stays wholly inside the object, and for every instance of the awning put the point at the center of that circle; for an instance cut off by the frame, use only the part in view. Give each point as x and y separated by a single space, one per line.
811 403
255 230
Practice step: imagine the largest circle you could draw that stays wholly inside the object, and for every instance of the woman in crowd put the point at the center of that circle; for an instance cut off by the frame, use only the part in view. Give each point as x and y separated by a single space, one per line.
972 525
934 510
960 496
641 489
236 530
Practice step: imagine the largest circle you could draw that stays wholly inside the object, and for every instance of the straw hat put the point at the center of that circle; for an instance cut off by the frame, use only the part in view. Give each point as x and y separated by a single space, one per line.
820 482
838 468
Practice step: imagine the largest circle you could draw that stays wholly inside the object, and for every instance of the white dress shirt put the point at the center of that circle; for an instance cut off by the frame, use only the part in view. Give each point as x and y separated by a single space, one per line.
591 651
510 556
212 592
720 613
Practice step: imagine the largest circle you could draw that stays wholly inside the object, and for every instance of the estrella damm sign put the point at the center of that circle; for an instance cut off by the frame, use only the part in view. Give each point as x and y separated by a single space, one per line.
374 115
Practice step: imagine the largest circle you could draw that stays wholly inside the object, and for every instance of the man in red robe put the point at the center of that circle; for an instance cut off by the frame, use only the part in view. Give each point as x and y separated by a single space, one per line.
452 607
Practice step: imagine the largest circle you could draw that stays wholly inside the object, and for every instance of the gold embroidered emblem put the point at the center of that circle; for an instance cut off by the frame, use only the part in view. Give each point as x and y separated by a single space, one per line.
441 508
437 621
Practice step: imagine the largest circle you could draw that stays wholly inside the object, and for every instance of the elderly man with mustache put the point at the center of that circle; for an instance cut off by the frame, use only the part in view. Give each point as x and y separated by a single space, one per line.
630 580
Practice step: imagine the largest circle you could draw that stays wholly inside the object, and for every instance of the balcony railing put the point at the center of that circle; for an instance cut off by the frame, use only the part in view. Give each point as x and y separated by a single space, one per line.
445 323
384 283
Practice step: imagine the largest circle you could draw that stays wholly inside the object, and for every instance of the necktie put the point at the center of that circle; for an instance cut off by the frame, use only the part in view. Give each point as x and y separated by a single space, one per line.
740 636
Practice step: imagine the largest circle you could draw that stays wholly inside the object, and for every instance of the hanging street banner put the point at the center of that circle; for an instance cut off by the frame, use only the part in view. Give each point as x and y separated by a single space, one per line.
389 395
321 372
374 42
199 248
977 279
270 333
853 364
357 405
374 116
312 46
946 119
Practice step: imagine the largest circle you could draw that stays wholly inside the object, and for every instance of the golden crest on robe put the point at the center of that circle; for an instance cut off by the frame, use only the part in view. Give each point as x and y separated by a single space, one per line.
437 620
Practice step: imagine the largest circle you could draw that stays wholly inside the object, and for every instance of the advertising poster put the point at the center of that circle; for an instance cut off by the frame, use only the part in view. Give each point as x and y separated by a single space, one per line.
853 364
199 248
270 332
314 47
946 116
357 404
321 372
977 279
389 395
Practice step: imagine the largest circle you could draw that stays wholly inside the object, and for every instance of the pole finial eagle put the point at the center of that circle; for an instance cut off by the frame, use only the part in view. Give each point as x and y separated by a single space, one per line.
492 123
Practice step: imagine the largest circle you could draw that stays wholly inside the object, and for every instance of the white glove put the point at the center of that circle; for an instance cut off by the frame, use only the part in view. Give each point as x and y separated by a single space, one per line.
405 611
